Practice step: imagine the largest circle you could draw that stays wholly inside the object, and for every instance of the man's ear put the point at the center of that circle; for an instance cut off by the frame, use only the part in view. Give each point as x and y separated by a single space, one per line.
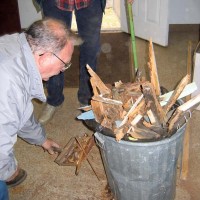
43 58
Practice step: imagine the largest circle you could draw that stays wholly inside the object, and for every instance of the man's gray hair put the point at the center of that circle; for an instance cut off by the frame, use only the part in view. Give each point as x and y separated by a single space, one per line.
50 35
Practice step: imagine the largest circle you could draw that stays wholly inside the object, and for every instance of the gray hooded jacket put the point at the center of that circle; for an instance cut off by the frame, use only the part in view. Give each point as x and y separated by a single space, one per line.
20 82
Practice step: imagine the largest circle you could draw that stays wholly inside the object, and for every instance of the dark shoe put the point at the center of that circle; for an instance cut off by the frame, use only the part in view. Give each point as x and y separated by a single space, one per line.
18 179
48 113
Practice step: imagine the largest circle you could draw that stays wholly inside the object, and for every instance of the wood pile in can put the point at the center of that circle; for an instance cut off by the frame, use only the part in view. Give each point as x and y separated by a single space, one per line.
139 110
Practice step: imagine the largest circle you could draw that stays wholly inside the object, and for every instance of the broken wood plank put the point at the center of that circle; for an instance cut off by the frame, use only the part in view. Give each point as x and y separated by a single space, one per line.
107 123
185 154
143 133
94 86
136 120
98 110
153 104
120 133
129 112
189 89
189 104
181 110
153 69
176 93
138 110
151 117
99 83
106 100
118 84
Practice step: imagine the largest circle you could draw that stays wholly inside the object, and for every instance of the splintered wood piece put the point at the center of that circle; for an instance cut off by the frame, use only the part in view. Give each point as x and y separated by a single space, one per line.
128 104
153 104
138 109
106 100
131 110
107 123
173 120
153 69
136 135
188 90
181 111
98 82
118 84
185 155
176 93
189 104
161 131
143 133
94 87
119 134
113 112
147 124
98 110
136 120
151 117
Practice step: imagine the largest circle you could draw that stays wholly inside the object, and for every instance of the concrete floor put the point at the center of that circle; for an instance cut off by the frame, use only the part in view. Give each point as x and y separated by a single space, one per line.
46 180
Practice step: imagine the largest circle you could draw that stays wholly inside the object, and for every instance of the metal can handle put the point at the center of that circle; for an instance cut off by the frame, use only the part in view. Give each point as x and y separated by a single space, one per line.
99 140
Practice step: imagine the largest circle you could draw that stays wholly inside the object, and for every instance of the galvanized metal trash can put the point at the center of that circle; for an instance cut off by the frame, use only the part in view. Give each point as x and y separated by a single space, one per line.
141 171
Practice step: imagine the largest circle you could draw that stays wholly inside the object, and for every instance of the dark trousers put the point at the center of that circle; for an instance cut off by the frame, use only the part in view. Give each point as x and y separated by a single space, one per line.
3 191
89 26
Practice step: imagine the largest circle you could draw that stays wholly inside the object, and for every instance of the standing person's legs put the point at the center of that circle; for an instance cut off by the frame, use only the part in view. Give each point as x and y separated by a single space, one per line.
55 84
89 27
3 191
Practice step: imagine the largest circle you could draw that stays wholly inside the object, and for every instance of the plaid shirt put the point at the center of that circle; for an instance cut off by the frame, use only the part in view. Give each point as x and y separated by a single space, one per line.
68 5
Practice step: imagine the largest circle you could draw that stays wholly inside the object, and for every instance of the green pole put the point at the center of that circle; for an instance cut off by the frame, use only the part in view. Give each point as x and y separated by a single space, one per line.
130 14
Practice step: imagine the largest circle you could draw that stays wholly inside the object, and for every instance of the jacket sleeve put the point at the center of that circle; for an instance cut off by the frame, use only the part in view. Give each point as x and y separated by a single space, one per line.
8 163
32 132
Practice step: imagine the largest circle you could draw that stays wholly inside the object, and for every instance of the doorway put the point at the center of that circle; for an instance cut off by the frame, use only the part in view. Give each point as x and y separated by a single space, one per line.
110 21
10 22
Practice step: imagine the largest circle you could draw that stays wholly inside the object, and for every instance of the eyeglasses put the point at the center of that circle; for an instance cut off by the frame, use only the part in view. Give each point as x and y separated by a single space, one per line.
66 65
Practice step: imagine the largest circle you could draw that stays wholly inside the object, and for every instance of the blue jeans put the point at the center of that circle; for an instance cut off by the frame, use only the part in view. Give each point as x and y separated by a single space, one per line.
3 191
89 27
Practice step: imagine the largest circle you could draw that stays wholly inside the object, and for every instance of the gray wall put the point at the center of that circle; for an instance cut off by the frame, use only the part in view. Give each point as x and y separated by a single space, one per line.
28 13
184 12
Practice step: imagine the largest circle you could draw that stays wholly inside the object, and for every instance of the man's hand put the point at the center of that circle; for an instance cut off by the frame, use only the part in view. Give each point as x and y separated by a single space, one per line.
49 144
130 1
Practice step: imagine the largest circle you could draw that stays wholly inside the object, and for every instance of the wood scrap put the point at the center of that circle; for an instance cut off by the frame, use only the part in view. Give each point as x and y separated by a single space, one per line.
97 108
106 100
121 132
98 82
131 107
135 109
140 109
188 90
181 111
185 155
153 104
153 69
131 110
107 123
136 120
177 93
151 117
143 133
